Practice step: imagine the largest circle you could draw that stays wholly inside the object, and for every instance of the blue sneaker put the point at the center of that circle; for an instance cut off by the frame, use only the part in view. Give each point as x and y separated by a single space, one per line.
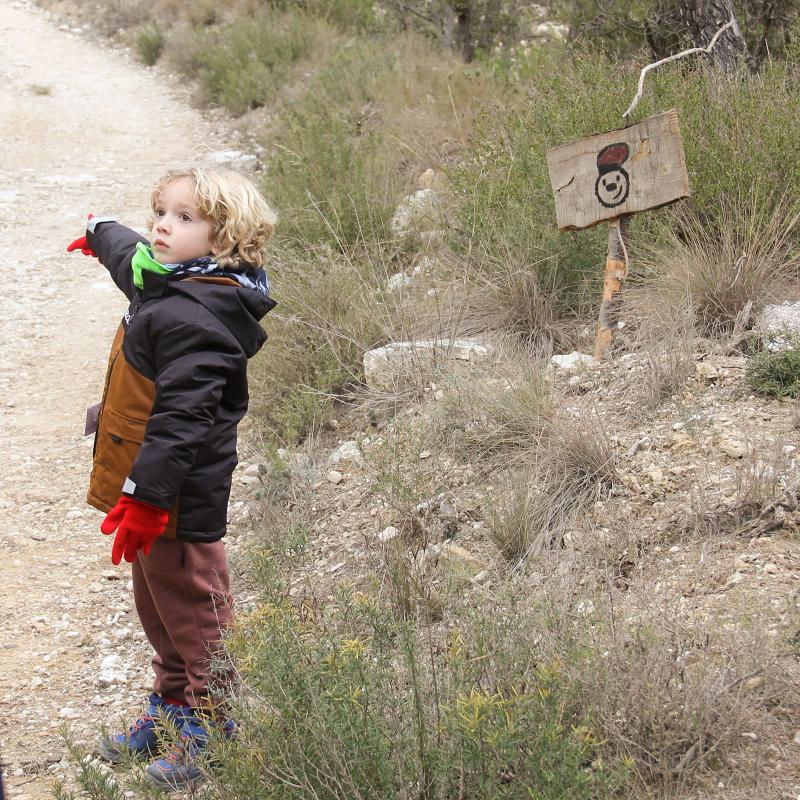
141 739
182 766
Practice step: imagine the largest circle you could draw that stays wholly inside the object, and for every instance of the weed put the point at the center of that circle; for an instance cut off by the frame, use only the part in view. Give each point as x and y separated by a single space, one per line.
39 89
150 41
570 464
746 258
776 372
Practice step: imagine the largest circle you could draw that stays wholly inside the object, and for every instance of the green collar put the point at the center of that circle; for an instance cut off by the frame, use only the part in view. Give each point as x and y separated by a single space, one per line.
143 260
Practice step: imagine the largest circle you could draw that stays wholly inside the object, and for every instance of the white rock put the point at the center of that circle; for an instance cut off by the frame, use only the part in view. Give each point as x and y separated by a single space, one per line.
777 319
253 469
572 361
335 477
416 213
67 713
398 281
386 367
551 30
387 534
347 453
112 671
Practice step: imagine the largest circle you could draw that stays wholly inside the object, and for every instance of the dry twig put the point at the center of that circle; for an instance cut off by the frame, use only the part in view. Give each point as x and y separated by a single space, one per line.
707 49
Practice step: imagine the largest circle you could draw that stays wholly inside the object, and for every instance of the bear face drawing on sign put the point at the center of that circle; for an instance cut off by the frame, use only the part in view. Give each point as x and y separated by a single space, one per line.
613 182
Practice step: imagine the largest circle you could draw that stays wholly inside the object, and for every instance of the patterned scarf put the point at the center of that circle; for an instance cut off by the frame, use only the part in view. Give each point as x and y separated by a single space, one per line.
250 278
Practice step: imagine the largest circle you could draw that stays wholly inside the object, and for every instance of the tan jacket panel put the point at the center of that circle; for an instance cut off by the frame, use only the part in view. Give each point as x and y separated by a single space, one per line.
127 403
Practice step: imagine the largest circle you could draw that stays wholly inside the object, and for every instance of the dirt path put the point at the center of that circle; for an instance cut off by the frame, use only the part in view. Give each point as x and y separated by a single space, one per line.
82 129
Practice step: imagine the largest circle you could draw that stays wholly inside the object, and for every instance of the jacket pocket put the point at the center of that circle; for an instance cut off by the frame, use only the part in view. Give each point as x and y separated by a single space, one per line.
121 439
120 428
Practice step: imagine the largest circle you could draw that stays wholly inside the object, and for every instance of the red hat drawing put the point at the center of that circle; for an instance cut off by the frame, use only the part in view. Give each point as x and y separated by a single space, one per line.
613 156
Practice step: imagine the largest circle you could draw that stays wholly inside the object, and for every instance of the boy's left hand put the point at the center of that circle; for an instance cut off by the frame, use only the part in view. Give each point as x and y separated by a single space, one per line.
139 524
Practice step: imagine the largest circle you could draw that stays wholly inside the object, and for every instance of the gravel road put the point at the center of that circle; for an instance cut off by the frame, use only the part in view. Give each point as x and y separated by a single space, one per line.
83 128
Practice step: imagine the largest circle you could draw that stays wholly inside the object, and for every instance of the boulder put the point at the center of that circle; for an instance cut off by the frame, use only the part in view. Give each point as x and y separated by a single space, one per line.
777 319
418 213
386 367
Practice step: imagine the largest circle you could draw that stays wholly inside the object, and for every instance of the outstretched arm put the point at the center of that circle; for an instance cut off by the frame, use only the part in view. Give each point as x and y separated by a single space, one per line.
114 245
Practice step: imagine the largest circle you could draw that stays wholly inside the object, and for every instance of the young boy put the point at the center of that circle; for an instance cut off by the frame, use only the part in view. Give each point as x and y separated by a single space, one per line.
165 441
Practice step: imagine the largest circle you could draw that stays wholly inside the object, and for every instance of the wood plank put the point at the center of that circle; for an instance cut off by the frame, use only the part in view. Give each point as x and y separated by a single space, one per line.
626 171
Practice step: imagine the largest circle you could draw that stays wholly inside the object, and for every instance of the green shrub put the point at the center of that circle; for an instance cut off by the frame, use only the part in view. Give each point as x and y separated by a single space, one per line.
777 373
328 314
736 133
241 65
334 175
350 703
150 41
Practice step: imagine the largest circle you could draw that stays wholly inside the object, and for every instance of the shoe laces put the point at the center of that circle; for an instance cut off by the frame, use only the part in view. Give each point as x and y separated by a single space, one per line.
140 723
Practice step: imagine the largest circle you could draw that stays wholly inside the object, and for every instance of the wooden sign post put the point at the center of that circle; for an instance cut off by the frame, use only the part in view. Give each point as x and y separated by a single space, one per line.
608 177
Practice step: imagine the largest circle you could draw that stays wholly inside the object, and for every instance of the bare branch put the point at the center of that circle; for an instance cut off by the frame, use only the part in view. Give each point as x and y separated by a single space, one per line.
707 49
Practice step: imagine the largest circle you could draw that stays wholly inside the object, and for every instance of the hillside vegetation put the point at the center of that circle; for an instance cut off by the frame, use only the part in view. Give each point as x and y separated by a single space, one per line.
516 580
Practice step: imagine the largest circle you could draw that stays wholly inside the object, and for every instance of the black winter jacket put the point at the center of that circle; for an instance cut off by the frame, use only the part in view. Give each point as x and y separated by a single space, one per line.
175 390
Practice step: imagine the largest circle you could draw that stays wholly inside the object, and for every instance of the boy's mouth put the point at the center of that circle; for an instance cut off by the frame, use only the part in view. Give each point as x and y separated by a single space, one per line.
159 243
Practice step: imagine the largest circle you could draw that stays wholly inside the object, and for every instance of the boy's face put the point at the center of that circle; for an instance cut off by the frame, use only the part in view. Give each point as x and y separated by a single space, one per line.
180 232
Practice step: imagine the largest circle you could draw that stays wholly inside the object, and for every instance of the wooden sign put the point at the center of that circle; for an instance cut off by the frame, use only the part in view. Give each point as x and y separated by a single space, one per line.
621 172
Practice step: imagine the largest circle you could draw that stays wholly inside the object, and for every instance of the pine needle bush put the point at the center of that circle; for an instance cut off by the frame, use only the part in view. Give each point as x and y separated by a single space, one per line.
776 372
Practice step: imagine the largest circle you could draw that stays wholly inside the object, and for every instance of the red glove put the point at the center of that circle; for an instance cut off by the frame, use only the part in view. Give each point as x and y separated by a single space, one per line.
140 524
81 244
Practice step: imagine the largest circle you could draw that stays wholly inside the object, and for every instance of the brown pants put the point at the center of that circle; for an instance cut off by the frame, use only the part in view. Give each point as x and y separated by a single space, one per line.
182 594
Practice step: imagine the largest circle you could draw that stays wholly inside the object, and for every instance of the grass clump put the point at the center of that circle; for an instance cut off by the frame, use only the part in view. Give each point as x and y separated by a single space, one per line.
571 466
241 65
150 41
719 271
330 312
776 372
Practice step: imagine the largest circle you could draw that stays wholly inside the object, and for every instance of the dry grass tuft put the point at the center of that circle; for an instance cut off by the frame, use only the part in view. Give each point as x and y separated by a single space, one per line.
679 700
496 418
747 258
572 466
666 338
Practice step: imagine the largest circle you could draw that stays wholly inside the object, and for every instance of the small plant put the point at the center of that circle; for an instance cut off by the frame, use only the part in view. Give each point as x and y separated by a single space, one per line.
570 465
775 371
150 41
38 88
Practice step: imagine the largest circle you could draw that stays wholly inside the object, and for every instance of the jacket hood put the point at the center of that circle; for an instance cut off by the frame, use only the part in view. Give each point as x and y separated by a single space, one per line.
240 309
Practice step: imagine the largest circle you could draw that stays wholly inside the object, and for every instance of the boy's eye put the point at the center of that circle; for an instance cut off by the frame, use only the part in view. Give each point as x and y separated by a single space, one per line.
185 218
159 212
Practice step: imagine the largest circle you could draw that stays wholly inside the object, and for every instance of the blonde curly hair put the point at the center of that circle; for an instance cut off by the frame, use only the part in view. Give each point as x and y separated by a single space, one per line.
242 221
